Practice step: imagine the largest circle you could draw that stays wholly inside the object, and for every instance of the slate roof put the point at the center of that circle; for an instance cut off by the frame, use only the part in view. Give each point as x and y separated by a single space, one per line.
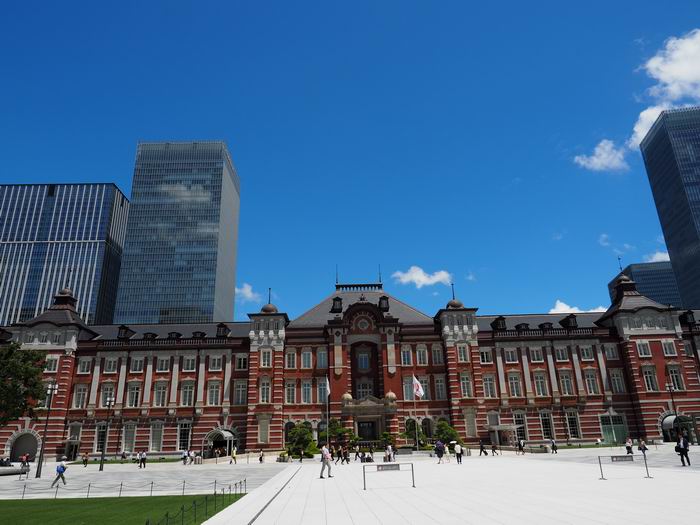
238 329
584 320
628 299
320 314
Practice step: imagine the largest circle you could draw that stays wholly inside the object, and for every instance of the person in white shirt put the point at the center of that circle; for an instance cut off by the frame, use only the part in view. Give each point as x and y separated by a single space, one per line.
458 453
325 461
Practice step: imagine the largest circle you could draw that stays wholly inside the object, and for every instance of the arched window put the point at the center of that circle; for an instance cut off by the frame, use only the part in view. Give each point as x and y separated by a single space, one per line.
427 427
287 429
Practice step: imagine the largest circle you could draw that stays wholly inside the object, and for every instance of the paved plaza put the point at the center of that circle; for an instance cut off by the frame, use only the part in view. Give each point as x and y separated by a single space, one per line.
536 488
162 478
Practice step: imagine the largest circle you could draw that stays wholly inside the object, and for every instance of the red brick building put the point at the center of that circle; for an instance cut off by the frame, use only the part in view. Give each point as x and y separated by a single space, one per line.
632 370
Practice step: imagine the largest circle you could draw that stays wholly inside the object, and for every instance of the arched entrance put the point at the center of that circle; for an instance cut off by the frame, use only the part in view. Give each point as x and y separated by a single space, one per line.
222 439
673 425
24 444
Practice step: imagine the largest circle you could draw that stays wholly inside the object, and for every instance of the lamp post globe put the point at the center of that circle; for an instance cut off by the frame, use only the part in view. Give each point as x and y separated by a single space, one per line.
110 404
51 390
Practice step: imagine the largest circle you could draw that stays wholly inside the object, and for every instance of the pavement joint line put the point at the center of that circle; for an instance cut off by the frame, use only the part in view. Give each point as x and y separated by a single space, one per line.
273 497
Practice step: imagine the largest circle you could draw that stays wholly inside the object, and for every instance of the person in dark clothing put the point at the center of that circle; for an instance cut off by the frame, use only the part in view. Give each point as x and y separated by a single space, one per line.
482 448
346 455
371 451
682 449
494 449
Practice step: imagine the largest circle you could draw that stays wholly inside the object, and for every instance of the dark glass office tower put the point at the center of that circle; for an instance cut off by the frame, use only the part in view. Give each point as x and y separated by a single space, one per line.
671 152
179 263
655 280
54 236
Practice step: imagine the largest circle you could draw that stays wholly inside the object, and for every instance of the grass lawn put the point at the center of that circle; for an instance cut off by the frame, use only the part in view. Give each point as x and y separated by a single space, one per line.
107 511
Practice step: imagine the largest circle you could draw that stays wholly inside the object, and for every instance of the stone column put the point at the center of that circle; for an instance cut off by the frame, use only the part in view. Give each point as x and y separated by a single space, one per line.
201 375
119 401
148 383
174 381
526 375
92 401
552 375
580 386
501 376
227 380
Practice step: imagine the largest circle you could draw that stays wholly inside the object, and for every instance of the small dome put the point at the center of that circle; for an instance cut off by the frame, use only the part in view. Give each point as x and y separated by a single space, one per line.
346 397
390 396
66 291
269 308
454 304
623 279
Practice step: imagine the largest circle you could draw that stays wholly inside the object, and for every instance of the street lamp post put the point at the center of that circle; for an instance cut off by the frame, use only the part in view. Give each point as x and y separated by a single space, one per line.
671 389
110 404
51 389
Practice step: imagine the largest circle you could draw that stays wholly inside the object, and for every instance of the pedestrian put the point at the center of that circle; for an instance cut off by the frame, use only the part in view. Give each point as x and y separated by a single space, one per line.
138 459
628 445
555 449
643 447
332 452
447 452
346 454
387 455
458 453
234 450
143 458
339 455
482 448
325 461
261 456
123 456
439 450
60 470
357 452
371 451
494 449
192 456
85 459
682 449
183 456
521 446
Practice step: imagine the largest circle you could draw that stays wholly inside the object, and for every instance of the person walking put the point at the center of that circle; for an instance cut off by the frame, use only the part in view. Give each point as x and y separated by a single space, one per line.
138 459
332 452
143 458
555 449
628 445
339 455
346 454
458 453
357 452
371 451
192 456
642 447
234 450
521 447
60 471
388 453
494 449
85 459
682 449
325 461
439 450
482 448
261 456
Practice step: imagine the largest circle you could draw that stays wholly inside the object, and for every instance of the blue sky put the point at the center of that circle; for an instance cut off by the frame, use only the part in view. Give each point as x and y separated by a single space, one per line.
445 136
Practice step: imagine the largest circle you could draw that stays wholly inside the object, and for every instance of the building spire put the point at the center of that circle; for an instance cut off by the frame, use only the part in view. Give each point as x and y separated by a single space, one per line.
619 262
380 273
453 290
269 296
336 274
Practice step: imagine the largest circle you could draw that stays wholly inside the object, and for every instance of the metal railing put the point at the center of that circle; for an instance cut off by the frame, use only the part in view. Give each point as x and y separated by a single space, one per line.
202 508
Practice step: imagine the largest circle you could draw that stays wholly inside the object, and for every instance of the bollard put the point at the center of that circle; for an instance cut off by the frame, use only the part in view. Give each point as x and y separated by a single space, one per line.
601 469
151 488
183 487
88 492
121 485
214 486
24 490
646 467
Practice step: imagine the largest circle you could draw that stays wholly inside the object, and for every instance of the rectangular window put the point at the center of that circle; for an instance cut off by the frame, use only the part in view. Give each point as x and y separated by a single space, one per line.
183 436
364 389
573 424
136 365
425 383
536 355
643 349
440 392
617 381
290 360
265 390
163 364
240 392
561 353
189 363
465 384
80 396
215 363
541 385
156 437
406 355
514 385
547 425
520 422
511 355
586 353
650 380
306 359
463 353
567 386
438 355
611 352
241 362
264 431
266 358
676 378
290 392
106 394
306 392
128 437
214 393
592 382
321 358
408 388
485 356
187 395
100 437
110 365
56 339
160 394
51 364
322 392
133 396
421 356
363 361
489 386
669 349
84 366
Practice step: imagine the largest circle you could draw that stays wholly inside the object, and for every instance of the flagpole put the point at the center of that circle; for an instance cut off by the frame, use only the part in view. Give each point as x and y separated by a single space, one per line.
328 414
415 419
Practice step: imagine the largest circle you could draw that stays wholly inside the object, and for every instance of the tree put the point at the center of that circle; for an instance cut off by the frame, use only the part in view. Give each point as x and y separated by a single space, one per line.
445 433
21 384
300 438
410 433
338 433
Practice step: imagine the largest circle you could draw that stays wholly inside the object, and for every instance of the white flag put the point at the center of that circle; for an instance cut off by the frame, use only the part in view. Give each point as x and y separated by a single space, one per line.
418 388
328 388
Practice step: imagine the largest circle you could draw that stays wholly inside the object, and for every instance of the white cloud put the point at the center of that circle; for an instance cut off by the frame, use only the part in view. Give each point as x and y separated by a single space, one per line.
557 236
657 256
416 275
676 70
605 157
245 294
560 307
604 239
471 276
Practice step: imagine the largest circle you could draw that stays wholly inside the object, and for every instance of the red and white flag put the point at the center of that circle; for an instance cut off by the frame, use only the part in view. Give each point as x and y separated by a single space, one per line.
418 388
328 388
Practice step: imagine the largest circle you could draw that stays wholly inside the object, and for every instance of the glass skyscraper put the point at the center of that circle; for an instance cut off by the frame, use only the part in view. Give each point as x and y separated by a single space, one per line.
179 263
671 152
54 236
655 280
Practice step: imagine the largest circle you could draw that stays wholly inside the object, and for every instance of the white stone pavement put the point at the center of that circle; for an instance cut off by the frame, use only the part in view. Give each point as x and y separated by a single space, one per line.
167 479
536 488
